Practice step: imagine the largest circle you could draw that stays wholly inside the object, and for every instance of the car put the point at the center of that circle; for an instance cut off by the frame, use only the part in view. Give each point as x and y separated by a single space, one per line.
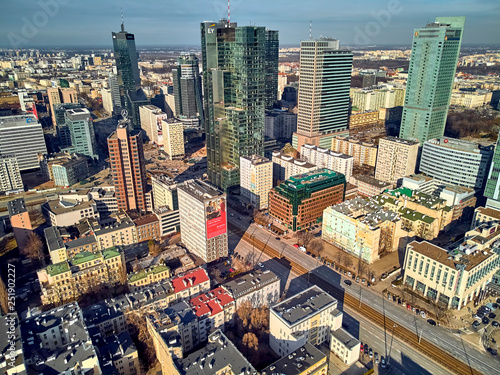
494 305
485 320
495 323
369 285
303 249
361 347
261 265
357 279
376 358
384 276
408 307
366 348
493 352
296 245
485 308
278 238
431 322
492 316
363 281
383 363
240 218
370 353
231 214
349 273
348 282
476 323
422 313
498 301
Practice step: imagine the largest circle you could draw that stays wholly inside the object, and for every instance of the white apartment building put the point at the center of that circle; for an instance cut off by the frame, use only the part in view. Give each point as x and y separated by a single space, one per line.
256 179
173 138
10 177
151 122
396 159
285 166
107 101
364 153
324 158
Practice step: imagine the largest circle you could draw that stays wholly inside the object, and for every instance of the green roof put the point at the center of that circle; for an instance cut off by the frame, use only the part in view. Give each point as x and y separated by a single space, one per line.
57 268
415 215
110 253
400 191
85 256
143 273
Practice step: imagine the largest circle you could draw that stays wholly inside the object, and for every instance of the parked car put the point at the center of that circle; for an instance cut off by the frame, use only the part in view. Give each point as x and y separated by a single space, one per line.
422 314
363 281
492 316
278 238
383 363
495 324
357 279
370 353
485 320
431 322
261 265
366 348
493 352
376 358
349 273
348 282
303 249
384 276
361 348
296 245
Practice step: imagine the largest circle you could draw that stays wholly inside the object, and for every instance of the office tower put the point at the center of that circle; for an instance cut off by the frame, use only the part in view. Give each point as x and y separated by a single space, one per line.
369 80
325 80
22 136
187 87
173 138
272 58
433 63
164 191
256 179
234 77
81 129
396 159
126 157
492 189
58 96
151 122
10 177
202 209
63 132
126 61
280 124
20 221
134 100
114 89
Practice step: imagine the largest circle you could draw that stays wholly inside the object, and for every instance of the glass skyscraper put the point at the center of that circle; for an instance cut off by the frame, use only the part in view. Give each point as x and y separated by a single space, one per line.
187 88
126 61
272 59
325 80
234 81
433 63
492 189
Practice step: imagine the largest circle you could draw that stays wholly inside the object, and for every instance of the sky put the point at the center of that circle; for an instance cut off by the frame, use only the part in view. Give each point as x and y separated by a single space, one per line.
89 23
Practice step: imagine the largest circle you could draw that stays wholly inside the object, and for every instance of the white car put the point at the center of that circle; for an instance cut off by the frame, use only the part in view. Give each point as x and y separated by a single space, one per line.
302 248
261 265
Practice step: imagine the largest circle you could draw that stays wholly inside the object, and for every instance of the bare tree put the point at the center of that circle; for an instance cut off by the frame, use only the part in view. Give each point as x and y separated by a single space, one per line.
304 238
154 248
250 342
259 319
244 313
316 246
34 248
143 340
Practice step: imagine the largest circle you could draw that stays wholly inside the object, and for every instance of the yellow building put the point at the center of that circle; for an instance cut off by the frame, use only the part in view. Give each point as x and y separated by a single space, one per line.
173 138
396 159
364 153
363 120
256 179
164 191
148 276
485 215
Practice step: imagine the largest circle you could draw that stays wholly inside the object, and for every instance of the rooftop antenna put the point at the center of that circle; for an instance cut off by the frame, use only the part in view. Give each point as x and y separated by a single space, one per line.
123 26
228 12
310 30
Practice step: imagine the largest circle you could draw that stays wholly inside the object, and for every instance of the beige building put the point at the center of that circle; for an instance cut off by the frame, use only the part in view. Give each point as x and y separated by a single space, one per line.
173 138
58 96
151 122
285 166
68 212
456 276
148 276
364 153
396 159
471 99
485 216
164 191
325 158
256 179
344 346
363 120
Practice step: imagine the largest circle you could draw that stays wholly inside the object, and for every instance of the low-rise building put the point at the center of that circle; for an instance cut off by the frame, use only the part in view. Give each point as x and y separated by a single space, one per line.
485 216
117 353
260 287
369 186
298 203
324 158
105 200
344 346
147 228
108 316
215 309
148 276
364 153
70 172
169 220
152 297
68 212
191 283
307 360
20 221
456 276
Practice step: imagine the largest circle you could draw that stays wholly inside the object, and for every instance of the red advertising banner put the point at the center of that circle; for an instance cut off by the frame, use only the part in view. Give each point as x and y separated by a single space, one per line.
216 218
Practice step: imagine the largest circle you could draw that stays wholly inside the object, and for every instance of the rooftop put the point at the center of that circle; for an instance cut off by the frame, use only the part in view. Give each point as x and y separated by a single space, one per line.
303 305
249 282
143 273
57 268
84 257
10 323
372 181
367 211
345 338
145 219
190 279
327 151
400 140
211 303
489 212
200 190
298 362
62 207
7 122
460 145
16 206
256 159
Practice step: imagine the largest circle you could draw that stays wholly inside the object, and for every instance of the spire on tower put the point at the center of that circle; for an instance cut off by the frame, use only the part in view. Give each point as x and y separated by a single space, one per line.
310 29
123 25
228 12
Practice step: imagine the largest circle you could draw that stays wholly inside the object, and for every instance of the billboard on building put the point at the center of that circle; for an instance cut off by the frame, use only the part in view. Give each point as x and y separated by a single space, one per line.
215 211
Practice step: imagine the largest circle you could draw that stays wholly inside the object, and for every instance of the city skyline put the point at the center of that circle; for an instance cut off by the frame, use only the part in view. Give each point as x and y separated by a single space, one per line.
51 22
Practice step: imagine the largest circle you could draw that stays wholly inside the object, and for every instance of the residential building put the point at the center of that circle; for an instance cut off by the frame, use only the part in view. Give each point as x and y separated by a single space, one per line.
10 177
364 153
147 227
108 316
306 360
280 124
367 100
286 166
68 212
362 228
11 346
164 191
150 298
121 231
344 346
57 341
173 138
118 353
169 220
84 273
81 128
215 309
256 180
148 276
457 162
151 122
433 63
298 203
104 199
369 186
308 316
235 73
60 96
484 215
325 158
70 172
127 168
325 80
107 101
260 287
396 159
456 276
22 136
47 161
470 99
363 120
190 284
188 95
203 217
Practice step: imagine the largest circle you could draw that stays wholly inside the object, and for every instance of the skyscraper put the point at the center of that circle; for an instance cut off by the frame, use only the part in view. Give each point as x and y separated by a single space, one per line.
492 189
433 63
325 80
272 59
81 129
114 88
126 61
234 77
187 87
126 157
58 96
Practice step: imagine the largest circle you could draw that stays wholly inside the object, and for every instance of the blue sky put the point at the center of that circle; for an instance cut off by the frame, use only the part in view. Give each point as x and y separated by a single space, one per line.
62 23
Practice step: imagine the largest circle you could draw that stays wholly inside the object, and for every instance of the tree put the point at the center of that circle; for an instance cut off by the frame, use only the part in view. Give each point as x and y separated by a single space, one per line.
259 319
144 342
260 218
34 248
244 313
251 342
154 248
316 246
304 238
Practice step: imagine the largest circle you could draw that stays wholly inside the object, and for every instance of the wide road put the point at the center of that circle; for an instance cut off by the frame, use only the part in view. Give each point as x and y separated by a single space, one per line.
404 359
443 338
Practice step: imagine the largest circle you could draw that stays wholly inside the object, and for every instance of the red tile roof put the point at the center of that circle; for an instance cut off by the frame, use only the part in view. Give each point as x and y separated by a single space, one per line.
190 279
211 303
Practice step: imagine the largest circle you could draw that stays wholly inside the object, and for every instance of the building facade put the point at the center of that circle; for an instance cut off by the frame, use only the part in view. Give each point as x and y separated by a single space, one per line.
173 138
60 96
188 95
280 124
364 153
10 176
256 179
492 188
325 158
81 128
20 221
286 166
396 159
70 172
151 122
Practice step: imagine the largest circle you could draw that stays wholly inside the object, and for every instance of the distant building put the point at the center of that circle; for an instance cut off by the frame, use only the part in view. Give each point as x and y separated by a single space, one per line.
105 200
187 87
396 159
446 159
364 153
484 215
203 214
126 56
151 122
63 132
10 177
286 166
369 186
280 124
20 221
173 138
374 99
298 203
256 179
492 188
107 101
325 158
59 96
81 128
363 120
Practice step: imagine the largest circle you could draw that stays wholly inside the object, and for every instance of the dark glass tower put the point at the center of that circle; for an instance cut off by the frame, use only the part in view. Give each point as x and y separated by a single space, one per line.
272 59
234 82
187 88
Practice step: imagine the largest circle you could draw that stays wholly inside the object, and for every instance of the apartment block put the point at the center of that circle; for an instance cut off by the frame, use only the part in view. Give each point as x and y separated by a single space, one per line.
10 176
364 153
117 353
70 172
20 221
485 216
298 203
148 276
369 186
173 138
286 166
214 309
164 191
396 159
108 316
104 199
363 120
149 298
68 212
307 360
191 284
280 124
147 227
151 122
325 158
256 179
169 220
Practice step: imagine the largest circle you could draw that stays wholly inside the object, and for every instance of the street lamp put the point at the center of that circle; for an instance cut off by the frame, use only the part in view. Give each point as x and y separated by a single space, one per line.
390 347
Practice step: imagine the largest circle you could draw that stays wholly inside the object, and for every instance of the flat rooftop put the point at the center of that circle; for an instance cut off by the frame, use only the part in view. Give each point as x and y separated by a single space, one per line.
489 212
256 159
249 282
372 181
348 340
303 305
305 357
200 190
400 140
16 206
64 206
460 145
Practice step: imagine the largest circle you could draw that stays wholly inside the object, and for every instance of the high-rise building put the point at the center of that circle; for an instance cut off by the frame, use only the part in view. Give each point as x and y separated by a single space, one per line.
203 214
364 153
151 122
325 80
10 177
173 138
280 124
272 60
81 129
187 87
20 221
234 80
114 89
22 136
396 159
164 191
63 132
126 61
492 189
433 63
58 96
126 157
107 100
256 179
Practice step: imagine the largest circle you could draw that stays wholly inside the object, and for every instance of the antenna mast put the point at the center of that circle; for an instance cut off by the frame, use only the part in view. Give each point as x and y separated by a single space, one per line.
228 13
310 29
123 26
